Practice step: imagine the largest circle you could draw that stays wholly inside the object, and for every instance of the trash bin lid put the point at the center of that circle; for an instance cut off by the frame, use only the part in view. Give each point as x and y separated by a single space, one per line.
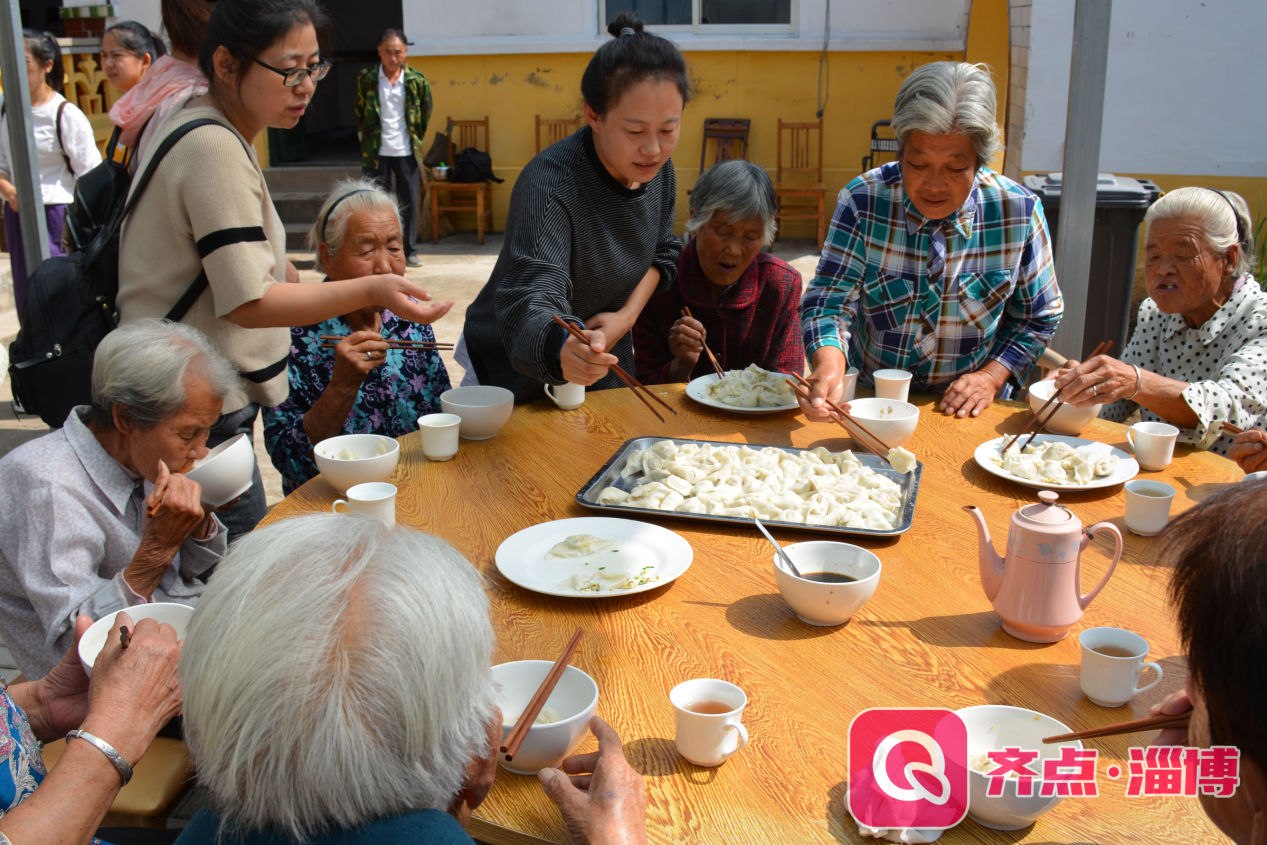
1110 191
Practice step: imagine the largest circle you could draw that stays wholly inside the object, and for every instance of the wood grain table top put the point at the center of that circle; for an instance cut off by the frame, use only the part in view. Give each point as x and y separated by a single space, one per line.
928 637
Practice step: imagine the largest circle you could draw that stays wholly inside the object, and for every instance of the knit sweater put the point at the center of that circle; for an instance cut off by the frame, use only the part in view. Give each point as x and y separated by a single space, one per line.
577 244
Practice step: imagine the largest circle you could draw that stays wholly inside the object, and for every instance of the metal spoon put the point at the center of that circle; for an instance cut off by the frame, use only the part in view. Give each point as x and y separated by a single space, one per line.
786 560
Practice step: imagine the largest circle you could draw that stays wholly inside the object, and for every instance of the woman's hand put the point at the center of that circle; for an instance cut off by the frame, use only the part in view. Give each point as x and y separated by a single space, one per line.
686 341
972 393
1249 450
355 356
826 380
613 324
404 299
179 502
1172 705
1099 381
586 363
57 703
607 807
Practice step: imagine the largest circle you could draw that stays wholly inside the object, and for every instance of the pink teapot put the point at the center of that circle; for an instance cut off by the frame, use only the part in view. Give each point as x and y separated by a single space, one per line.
1037 588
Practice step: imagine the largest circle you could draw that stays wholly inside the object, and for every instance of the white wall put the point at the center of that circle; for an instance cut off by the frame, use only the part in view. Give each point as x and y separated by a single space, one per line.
1184 93
147 12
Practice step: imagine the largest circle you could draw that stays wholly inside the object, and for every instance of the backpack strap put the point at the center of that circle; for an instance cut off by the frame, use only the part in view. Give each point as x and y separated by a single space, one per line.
58 122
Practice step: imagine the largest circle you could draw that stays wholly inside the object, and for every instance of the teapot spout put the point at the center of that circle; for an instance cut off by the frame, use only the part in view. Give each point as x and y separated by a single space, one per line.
991 565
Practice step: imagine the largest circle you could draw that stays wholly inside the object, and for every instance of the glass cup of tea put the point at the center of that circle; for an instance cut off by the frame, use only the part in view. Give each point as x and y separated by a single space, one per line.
707 714
1111 662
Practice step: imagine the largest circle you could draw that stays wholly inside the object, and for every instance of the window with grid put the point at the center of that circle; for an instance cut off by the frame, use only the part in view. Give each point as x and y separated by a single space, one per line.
706 17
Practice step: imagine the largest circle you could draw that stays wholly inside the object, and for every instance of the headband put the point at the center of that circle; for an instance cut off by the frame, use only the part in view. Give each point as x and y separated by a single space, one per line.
1236 215
326 219
626 31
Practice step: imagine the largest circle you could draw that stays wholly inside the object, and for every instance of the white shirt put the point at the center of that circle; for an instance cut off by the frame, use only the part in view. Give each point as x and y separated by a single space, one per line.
57 184
391 105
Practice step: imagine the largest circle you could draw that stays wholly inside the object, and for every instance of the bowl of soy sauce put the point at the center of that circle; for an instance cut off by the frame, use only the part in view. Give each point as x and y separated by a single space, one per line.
836 580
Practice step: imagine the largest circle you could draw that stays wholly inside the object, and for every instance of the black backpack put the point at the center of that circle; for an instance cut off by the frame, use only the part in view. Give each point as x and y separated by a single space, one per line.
471 165
70 299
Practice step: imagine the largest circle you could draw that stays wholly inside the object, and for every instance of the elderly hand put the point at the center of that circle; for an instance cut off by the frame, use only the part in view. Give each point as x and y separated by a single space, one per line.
179 503
586 363
686 340
1099 381
972 393
405 299
1172 705
355 356
607 807
827 383
57 703
1249 450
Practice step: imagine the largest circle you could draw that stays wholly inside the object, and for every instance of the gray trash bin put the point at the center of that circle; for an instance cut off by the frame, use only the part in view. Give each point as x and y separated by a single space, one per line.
1120 205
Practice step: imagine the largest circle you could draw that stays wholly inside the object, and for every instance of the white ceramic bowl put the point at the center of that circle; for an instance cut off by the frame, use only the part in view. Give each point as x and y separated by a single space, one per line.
484 409
226 472
575 696
992 727
816 603
890 420
176 615
1068 419
369 465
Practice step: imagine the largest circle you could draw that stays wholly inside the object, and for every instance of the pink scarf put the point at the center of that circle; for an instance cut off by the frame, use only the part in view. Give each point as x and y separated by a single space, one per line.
168 81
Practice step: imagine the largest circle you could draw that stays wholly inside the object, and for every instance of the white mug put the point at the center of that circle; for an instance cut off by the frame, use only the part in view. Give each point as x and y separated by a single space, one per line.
376 500
849 384
1153 443
892 384
439 435
1148 506
1111 680
567 396
705 738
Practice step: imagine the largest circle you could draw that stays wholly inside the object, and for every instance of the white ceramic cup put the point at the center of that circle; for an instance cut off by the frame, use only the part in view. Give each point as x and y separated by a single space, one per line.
1112 681
1148 506
849 384
439 435
376 500
892 384
705 738
1153 443
567 396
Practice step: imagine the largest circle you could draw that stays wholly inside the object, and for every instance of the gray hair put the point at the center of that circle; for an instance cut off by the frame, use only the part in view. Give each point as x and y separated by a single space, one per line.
740 189
349 197
1213 211
949 98
140 369
337 671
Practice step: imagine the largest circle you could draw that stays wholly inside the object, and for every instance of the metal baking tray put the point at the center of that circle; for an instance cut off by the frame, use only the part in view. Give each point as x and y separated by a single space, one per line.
609 476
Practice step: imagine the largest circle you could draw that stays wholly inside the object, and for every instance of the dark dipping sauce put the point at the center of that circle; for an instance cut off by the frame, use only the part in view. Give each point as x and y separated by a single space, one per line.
827 577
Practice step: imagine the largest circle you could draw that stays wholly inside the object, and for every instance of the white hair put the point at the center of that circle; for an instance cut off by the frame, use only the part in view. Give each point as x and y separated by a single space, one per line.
740 189
140 369
337 671
1222 215
349 197
949 98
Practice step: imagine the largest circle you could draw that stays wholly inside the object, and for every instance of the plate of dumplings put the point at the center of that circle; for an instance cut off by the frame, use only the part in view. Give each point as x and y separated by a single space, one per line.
750 391
1057 462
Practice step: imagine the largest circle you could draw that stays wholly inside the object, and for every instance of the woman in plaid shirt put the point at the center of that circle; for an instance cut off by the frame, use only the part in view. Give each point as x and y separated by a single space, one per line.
933 263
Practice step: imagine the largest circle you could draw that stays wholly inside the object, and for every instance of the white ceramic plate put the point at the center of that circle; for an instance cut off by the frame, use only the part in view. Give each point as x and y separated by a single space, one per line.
522 556
695 390
1127 467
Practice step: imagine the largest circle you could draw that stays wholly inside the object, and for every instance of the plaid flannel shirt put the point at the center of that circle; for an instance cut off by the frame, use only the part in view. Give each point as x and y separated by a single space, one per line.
871 297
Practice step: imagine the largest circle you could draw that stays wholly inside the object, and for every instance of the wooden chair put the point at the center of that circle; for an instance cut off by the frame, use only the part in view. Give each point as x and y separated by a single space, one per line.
557 128
879 145
810 186
466 133
158 780
730 137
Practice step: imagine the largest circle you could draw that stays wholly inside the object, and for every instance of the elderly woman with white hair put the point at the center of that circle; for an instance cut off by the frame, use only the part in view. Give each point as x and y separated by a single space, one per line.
363 385
380 722
76 531
934 264
1198 357
742 301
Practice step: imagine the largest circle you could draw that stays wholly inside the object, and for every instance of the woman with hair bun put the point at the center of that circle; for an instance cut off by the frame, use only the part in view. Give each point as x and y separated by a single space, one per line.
590 231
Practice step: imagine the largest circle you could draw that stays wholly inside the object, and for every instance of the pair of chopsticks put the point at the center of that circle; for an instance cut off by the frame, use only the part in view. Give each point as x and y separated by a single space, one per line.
803 389
519 732
1228 428
1104 347
1150 723
392 343
631 382
686 312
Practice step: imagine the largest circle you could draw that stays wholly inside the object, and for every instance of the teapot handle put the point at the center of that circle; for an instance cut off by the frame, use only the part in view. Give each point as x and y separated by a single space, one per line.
1117 555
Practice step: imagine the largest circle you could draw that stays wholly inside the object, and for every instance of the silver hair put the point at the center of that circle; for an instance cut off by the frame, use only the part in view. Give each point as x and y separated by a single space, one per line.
740 189
140 369
349 197
1212 211
337 671
949 98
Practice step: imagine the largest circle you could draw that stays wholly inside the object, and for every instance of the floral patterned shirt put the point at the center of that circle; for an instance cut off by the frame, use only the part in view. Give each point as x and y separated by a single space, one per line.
21 766
392 397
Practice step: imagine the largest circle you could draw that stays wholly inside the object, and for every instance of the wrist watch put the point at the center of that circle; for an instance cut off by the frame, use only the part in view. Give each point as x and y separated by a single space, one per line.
124 767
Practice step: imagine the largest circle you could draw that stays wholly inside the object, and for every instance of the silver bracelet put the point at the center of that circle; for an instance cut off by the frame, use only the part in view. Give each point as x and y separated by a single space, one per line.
124 767
1139 382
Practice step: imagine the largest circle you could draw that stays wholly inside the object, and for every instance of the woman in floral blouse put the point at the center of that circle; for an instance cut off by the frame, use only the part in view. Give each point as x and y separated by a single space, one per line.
361 386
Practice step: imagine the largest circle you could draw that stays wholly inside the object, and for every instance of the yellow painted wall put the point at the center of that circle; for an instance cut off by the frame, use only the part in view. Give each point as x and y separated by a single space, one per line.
988 34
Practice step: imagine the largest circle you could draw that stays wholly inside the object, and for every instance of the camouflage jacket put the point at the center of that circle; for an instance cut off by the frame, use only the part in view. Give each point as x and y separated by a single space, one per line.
369 115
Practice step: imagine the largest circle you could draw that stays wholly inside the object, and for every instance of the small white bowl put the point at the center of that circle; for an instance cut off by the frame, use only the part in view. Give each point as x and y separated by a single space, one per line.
1068 419
484 409
890 420
992 727
816 603
545 746
91 643
226 472
369 465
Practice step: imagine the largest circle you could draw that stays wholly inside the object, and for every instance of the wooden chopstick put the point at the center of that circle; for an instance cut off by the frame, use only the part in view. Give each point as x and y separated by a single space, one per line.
629 380
839 418
686 312
839 410
1228 428
1150 723
1103 347
520 730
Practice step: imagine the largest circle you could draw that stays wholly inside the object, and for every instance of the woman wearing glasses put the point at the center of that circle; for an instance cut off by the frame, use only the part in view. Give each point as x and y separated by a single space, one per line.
204 245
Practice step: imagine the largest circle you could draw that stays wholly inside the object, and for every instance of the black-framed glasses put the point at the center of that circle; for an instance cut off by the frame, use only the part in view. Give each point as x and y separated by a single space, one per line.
296 75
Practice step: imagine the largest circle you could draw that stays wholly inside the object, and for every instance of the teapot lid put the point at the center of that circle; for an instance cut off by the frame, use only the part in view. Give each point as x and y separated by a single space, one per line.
1048 511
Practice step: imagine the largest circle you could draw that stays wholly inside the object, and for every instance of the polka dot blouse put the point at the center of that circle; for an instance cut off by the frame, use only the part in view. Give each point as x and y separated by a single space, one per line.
1224 362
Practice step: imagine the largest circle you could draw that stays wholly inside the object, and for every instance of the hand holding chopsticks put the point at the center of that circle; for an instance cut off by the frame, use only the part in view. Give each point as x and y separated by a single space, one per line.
686 312
1039 420
629 380
519 732
839 415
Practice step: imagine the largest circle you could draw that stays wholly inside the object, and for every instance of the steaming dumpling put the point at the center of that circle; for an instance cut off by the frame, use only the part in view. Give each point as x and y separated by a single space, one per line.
901 460
692 505
1022 466
612 496
580 545
1053 471
633 464
1106 465
1081 469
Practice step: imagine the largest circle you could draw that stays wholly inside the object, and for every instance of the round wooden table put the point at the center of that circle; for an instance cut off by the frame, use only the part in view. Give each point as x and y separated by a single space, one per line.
928 638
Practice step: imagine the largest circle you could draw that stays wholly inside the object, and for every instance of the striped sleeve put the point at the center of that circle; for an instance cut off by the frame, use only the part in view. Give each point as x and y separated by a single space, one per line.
669 245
